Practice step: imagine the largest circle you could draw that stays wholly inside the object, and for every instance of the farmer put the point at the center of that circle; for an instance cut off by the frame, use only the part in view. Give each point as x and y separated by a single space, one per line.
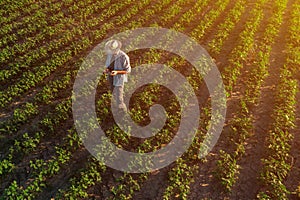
117 66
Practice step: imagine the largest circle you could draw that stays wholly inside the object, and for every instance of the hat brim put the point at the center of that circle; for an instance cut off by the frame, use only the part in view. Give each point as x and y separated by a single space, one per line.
108 48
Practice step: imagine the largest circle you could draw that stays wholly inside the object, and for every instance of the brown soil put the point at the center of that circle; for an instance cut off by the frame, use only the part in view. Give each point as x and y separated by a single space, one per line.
248 184
205 185
293 179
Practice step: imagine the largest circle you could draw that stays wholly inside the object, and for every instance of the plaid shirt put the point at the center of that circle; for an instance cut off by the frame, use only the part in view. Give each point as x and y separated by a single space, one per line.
122 63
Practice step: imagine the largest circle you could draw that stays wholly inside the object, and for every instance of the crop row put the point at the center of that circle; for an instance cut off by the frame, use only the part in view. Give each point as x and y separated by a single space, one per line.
182 174
181 167
241 124
29 25
276 165
52 9
226 27
27 142
127 179
41 169
208 20
49 92
39 14
31 79
241 50
49 121
63 42
120 189
46 122
175 187
44 96
11 11
42 30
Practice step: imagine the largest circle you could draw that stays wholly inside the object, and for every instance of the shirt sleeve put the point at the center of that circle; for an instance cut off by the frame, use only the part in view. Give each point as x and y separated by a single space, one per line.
126 64
107 62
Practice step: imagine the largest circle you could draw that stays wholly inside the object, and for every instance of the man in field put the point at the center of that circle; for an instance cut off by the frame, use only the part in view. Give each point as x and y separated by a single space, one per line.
117 67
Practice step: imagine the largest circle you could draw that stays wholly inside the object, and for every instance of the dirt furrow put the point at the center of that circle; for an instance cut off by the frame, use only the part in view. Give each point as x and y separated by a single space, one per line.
248 183
293 179
206 185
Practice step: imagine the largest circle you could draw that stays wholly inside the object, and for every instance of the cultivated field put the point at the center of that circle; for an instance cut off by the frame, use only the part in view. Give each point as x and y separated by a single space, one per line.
256 47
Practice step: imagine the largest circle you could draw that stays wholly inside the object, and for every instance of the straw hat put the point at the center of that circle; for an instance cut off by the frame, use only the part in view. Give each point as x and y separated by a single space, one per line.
113 46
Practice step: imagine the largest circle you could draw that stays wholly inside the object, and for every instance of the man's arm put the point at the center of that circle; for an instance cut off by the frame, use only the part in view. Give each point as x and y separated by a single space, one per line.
126 68
107 64
115 72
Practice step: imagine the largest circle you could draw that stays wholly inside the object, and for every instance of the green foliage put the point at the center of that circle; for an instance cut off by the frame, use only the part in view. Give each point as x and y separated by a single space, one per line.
55 39
276 164
227 170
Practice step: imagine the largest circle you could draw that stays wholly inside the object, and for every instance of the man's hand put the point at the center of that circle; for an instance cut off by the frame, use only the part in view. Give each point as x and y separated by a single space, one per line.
106 71
113 73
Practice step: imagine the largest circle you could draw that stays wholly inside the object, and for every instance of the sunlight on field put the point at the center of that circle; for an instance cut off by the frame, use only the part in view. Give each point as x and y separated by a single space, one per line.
255 46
